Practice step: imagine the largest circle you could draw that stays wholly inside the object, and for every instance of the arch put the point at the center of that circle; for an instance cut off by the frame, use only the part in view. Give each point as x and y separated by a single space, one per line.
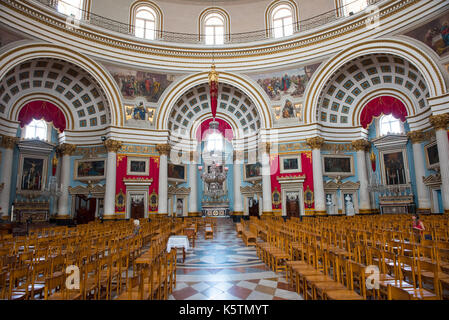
188 82
222 13
399 46
202 130
22 51
159 18
272 7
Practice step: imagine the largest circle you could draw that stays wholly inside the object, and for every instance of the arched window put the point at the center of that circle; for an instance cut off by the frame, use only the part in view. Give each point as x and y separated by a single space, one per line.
36 129
351 7
389 124
214 27
282 21
71 7
214 143
145 23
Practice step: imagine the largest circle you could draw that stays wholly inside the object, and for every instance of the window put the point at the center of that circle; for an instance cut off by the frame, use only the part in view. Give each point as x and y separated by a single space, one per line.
214 143
282 22
351 7
214 29
145 23
37 129
71 7
389 124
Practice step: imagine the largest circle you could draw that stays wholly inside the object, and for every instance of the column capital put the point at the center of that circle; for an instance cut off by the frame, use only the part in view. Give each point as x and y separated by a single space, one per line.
417 136
361 145
112 145
315 143
66 149
439 121
265 147
238 155
8 142
163 149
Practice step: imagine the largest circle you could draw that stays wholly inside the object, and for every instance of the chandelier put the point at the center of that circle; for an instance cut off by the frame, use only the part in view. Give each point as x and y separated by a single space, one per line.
214 180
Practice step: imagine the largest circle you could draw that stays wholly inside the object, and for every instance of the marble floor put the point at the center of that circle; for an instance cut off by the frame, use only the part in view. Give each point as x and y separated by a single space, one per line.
223 268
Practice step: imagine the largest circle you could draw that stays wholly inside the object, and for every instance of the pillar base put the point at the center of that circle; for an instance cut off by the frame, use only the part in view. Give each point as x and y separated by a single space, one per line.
62 217
267 214
320 212
277 213
446 211
237 213
368 211
194 214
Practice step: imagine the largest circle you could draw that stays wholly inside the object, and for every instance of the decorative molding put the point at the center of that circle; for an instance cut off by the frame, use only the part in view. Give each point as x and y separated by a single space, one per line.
391 141
35 146
90 152
439 122
120 200
137 181
332 185
337 148
173 190
315 143
417 136
432 180
85 190
112 145
251 190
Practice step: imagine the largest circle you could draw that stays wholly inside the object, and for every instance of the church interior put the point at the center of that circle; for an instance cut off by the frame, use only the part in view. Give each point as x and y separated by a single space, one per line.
224 150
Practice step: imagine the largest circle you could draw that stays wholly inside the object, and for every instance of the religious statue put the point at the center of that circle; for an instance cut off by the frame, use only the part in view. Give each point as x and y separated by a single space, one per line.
349 205
139 112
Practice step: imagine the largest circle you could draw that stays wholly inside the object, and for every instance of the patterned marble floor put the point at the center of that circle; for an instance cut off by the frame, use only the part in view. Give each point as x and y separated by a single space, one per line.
223 268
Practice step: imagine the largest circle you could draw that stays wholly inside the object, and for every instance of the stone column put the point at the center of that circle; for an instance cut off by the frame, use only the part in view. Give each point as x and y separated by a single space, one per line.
361 146
318 186
164 150
193 183
418 156
267 208
8 143
66 150
112 146
238 199
440 123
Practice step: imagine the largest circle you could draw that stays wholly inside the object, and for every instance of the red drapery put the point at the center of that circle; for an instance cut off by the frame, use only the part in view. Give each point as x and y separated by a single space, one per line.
382 105
223 127
42 110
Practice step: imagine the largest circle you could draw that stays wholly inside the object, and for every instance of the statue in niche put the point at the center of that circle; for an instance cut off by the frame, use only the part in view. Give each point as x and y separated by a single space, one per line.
139 112
329 204
288 111
349 205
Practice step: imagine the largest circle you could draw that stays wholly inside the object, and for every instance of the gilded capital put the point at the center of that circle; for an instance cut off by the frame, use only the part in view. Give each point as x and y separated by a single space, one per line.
417 136
112 145
9 142
66 149
440 121
163 149
315 143
238 155
265 147
361 145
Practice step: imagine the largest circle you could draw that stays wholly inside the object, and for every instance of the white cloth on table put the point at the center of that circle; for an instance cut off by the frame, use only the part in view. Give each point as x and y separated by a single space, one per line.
178 242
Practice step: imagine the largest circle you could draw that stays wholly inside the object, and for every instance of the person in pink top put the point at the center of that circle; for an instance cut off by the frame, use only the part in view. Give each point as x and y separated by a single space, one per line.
418 227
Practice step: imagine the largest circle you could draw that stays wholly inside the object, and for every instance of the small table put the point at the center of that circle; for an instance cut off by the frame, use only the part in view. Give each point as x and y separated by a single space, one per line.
178 242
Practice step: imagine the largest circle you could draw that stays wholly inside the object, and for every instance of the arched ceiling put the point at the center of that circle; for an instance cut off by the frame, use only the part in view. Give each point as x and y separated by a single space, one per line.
366 74
72 85
233 104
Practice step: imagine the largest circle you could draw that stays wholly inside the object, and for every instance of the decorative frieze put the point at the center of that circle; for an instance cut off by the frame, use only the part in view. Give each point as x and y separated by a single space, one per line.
417 136
66 149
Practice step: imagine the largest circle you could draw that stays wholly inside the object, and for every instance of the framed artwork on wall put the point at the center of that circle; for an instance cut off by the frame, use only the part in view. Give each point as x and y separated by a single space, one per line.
177 172
395 168
338 165
32 172
153 200
90 169
252 171
432 157
290 163
137 166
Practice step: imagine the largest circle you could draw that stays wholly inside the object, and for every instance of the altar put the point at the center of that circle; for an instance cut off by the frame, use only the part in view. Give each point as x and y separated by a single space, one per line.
215 211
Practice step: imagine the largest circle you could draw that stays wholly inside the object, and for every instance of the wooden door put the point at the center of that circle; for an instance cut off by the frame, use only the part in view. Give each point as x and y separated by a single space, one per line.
85 209
254 209
137 208
292 207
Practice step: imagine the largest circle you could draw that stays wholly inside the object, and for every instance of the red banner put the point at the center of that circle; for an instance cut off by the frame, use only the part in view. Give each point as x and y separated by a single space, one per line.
213 97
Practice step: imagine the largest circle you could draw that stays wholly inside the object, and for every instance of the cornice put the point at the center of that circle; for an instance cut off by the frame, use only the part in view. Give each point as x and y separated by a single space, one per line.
42 23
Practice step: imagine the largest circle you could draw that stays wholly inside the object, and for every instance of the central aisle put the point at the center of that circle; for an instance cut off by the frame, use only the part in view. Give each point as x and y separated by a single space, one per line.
225 269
